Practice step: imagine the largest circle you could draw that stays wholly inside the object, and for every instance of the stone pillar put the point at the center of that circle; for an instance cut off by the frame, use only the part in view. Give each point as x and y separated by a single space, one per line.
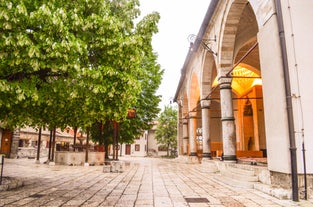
228 120
180 133
14 144
205 105
185 136
192 133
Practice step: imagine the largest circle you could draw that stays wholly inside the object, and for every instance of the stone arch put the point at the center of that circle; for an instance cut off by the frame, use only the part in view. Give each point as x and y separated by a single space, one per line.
207 79
229 29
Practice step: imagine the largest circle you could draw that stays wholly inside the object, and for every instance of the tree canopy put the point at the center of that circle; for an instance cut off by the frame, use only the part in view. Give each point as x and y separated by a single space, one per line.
147 102
166 132
73 63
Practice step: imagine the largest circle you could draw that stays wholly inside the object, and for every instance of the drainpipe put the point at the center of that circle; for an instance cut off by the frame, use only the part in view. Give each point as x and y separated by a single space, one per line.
293 149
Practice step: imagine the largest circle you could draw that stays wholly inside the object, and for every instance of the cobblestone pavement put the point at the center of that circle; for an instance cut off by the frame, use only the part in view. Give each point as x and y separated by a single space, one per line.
145 182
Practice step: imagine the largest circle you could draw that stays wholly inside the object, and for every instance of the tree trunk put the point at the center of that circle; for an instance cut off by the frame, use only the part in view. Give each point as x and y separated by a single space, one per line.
38 144
87 145
53 144
106 151
75 133
50 145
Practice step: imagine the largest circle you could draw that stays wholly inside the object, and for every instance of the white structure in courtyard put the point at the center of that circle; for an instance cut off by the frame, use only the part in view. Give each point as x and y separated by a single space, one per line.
246 82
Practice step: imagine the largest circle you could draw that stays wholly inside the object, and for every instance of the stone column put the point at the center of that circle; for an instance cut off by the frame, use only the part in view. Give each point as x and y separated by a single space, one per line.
205 105
180 133
185 136
192 133
14 144
228 120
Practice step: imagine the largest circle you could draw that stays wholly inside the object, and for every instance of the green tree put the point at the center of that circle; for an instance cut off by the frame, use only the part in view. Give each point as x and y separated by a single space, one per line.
166 132
147 102
71 63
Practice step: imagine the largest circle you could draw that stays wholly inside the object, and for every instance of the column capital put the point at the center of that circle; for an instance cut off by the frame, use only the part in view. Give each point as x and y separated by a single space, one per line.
224 82
205 104
192 115
185 121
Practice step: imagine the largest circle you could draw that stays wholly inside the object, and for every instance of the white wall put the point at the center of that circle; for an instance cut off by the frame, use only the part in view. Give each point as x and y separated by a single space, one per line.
142 142
298 24
274 98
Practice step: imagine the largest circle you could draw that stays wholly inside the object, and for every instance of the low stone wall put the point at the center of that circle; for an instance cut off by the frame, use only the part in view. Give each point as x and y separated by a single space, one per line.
31 152
284 180
78 158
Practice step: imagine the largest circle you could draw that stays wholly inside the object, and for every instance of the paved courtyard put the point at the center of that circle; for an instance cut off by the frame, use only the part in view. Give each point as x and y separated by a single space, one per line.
145 182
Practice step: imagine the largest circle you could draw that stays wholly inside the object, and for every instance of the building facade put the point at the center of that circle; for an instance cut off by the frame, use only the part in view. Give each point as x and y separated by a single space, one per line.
144 145
246 83
23 142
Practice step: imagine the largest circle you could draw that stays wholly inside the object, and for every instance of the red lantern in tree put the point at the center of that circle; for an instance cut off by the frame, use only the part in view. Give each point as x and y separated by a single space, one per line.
131 113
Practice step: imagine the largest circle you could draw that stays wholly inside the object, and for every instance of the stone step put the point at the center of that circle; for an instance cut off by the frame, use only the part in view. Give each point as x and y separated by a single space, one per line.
241 171
233 182
239 176
280 193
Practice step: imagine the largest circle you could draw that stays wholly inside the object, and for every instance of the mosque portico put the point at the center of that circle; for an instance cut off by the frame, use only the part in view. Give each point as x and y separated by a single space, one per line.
241 81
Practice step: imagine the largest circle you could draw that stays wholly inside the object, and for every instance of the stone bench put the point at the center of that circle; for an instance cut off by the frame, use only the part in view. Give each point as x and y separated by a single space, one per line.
114 166
78 158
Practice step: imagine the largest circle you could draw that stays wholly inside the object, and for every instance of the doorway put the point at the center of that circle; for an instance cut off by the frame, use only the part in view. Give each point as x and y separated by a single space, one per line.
6 142
127 149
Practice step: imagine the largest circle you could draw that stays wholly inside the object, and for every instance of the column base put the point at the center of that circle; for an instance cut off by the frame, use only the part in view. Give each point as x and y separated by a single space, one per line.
229 158
207 155
192 154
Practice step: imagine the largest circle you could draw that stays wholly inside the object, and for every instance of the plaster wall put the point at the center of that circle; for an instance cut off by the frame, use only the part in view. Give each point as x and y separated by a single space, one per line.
142 142
297 17
152 144
274 98
216 129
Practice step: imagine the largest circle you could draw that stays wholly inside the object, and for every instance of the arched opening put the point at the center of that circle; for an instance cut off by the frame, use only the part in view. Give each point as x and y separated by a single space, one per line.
247 85
240 62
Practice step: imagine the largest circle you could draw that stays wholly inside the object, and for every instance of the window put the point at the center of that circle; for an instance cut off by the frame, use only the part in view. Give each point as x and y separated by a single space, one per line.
137 147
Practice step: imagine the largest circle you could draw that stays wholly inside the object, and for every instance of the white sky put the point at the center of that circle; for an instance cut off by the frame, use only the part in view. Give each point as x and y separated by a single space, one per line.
179 19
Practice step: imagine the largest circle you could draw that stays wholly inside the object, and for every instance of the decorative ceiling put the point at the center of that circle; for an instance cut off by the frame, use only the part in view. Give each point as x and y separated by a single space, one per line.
243 80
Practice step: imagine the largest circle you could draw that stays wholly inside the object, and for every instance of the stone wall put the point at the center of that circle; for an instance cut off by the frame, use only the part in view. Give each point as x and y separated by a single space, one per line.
283 180
78 158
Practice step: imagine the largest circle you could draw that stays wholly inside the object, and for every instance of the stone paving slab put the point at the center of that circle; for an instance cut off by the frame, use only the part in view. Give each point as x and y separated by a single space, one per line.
145 182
